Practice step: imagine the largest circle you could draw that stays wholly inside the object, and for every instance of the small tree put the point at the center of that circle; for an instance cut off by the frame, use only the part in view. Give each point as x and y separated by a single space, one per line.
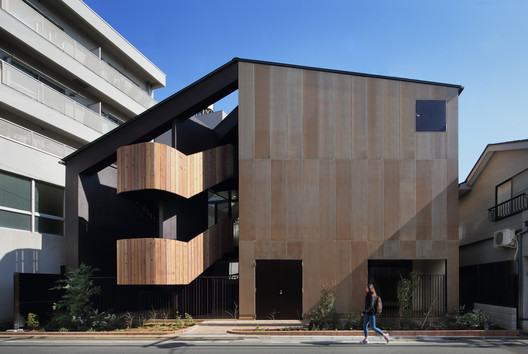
74 311
325 315
405 290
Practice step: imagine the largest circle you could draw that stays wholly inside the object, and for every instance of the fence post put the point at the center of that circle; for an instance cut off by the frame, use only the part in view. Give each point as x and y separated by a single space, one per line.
16 296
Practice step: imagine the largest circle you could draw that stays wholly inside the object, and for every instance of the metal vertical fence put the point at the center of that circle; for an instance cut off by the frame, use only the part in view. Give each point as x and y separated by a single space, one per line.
209 297
428 295
205 297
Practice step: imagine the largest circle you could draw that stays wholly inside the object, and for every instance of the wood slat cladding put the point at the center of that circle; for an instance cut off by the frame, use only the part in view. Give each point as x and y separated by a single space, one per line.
160 261
158 166
337 175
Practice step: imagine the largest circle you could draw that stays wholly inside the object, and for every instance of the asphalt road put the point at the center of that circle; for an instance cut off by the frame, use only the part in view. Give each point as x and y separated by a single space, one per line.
266 345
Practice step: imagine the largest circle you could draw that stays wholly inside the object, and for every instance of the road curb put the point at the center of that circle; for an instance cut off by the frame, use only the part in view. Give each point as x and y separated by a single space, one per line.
395 333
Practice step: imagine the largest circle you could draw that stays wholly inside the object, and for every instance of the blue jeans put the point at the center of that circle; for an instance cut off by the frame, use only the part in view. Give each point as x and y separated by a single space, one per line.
371 319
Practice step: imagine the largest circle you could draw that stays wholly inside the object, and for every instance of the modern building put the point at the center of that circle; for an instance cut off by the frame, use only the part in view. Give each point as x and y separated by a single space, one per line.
493 245
316 177
67 78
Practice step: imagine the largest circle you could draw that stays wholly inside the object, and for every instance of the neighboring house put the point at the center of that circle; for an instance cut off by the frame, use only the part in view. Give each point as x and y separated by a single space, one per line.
493 207
332 178
67 78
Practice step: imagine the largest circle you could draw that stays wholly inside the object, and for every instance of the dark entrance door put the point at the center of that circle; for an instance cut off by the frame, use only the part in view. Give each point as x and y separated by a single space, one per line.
279 289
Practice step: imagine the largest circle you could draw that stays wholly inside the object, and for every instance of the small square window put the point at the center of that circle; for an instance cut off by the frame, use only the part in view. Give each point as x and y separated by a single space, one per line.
430 116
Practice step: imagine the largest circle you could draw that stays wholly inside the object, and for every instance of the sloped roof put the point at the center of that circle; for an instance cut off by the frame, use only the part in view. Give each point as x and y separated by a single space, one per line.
181 106
490 149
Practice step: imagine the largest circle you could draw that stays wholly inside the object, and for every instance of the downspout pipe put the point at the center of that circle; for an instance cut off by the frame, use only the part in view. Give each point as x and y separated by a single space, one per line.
520 310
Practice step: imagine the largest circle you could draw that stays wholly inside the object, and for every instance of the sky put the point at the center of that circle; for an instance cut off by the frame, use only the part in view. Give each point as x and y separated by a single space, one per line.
479 44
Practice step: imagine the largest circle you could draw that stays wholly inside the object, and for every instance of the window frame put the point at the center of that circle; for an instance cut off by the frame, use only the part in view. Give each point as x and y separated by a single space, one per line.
32 213
510 181
418 111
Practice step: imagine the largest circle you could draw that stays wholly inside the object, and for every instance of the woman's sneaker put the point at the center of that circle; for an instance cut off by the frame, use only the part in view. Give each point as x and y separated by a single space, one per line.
387 338
364 341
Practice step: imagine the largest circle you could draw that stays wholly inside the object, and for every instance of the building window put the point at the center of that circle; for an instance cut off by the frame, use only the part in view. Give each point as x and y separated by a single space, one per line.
36 75
430 116
221 205
506 202
503 192
111 117
30 205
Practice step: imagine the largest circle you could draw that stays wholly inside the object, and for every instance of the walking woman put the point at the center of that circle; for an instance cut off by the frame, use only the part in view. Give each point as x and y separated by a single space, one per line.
370 313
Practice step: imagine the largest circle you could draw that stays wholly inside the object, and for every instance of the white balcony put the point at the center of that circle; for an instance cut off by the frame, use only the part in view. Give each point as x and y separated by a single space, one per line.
28 137
60 39
27 85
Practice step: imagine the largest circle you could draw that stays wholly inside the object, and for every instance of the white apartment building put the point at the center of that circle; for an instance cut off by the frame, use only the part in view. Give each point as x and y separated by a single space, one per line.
67 77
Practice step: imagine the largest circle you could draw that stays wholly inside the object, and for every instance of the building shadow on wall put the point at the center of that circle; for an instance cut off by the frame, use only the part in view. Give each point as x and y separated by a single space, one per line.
425 244
104 217
21 286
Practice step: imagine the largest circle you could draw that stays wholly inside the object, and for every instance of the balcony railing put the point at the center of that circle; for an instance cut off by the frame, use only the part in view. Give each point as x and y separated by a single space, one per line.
37 90
508 208
28 137
59 38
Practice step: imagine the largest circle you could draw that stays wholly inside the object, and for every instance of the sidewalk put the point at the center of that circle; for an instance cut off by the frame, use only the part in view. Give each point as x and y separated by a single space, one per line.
276 328
231 329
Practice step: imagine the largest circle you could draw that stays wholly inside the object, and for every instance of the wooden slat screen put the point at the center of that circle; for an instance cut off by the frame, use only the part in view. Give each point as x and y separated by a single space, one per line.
159 261
159 166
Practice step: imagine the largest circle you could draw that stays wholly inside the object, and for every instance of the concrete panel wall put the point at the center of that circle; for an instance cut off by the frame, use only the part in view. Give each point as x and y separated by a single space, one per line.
43 167
24 251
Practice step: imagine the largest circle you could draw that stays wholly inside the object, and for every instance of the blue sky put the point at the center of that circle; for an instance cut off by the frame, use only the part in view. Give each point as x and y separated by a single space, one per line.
479 44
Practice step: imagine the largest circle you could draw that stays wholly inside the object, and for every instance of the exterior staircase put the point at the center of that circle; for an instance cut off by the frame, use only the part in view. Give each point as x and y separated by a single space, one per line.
155 166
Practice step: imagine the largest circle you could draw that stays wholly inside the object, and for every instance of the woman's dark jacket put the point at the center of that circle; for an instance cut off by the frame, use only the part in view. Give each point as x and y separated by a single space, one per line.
370 303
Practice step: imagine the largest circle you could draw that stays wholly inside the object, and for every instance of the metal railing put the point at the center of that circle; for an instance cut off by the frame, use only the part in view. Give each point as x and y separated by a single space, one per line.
38 141
64 42
508 208
206 297
44 94
210 297
428 297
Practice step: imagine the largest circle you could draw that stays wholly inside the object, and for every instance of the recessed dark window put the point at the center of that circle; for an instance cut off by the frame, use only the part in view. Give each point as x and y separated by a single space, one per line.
430 116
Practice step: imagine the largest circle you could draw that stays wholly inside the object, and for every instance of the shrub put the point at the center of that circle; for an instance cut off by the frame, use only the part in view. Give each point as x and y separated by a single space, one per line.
152 314
105 321
324 316
353 320
178 323
32 321
462 319
128 319
189 321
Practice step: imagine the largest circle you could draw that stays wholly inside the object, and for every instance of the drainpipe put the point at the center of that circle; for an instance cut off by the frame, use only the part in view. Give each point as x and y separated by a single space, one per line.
520 275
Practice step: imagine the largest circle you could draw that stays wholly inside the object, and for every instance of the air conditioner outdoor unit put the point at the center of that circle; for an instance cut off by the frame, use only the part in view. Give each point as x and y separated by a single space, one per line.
504 238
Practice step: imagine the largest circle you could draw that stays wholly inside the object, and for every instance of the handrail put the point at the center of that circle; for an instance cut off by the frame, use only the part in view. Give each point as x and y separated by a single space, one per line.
38 141
48 30
508 208
31 87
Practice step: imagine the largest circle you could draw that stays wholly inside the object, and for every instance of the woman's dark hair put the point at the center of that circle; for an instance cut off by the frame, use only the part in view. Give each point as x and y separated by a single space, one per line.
372 290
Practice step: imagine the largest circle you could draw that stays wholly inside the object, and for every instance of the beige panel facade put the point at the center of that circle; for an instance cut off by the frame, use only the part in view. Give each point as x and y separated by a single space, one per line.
333 173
